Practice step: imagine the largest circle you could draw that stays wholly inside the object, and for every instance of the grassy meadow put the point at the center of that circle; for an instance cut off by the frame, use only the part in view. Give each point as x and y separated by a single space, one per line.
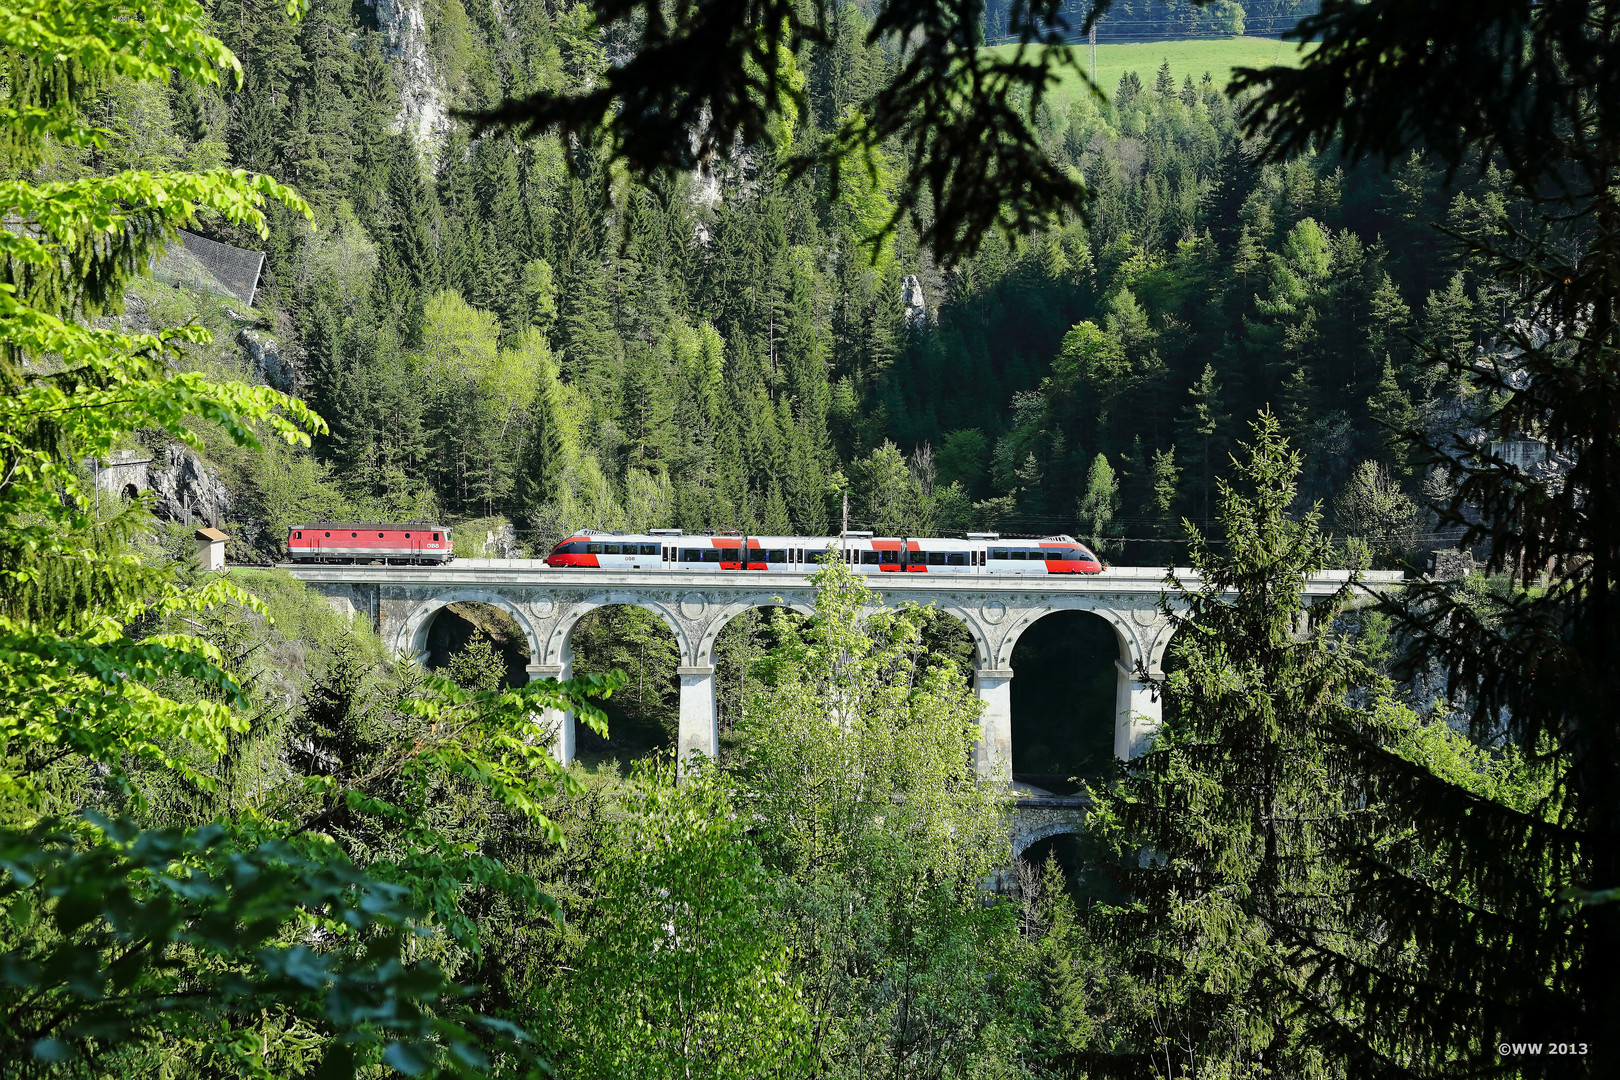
1216 56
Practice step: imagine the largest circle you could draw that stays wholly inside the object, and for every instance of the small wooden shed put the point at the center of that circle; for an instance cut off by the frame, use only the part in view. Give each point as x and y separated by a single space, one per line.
211 548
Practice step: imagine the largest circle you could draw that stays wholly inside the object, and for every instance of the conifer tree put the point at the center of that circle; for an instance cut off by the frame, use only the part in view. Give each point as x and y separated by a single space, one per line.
1391 406
1479 955
1164 83
1066 1028
1230 803
1448 327
1099 505
1163 480
1202 431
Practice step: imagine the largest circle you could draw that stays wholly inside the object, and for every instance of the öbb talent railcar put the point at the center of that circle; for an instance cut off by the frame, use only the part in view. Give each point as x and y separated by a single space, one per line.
980 553
412 543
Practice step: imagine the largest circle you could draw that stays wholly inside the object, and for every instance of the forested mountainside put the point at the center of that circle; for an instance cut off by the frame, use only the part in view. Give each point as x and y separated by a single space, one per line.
494 327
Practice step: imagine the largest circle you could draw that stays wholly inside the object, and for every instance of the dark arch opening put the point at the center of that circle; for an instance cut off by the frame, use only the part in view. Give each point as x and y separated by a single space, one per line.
131 492
1089 874
473 642
643 718
747 638
1063 700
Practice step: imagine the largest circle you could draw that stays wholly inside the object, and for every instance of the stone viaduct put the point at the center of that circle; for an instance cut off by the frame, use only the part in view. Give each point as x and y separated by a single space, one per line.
547 603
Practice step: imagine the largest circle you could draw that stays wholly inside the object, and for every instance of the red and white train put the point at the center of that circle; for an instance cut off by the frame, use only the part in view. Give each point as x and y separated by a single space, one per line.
670 549
413 543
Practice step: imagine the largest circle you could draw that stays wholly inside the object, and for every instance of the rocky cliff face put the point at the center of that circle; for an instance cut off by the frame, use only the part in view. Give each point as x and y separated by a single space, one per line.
264 358
501 543
186 490
404 31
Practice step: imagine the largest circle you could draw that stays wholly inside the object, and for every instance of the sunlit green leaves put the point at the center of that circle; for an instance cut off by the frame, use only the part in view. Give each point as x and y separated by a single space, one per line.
122 935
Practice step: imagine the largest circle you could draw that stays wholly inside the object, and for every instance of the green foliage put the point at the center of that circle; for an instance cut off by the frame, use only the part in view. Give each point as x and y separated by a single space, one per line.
1233 800
747 90
683 972
808 365
1536 664
1099 505
637 643
477 667
1374 510
120 937
853 753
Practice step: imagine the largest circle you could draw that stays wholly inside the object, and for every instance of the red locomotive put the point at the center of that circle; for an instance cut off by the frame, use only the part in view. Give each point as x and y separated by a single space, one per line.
980 553
414 543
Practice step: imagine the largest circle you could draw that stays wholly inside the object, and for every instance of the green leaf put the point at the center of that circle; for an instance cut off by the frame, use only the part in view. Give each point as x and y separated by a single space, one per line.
411 1059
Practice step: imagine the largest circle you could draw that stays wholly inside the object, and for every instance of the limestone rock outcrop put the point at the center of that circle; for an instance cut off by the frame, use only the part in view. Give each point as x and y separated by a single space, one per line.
421 101
186 490
911 300
265 359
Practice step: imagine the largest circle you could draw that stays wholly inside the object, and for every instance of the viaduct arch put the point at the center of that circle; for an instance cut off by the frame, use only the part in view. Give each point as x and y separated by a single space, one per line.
547 603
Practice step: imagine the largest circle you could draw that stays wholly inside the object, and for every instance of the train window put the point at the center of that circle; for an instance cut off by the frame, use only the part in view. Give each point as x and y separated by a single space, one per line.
593 549
936 558
1000 553
889 558
811 556
691 555
649 549
435 536
956 558
870 558
298 536
711 555
610 549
